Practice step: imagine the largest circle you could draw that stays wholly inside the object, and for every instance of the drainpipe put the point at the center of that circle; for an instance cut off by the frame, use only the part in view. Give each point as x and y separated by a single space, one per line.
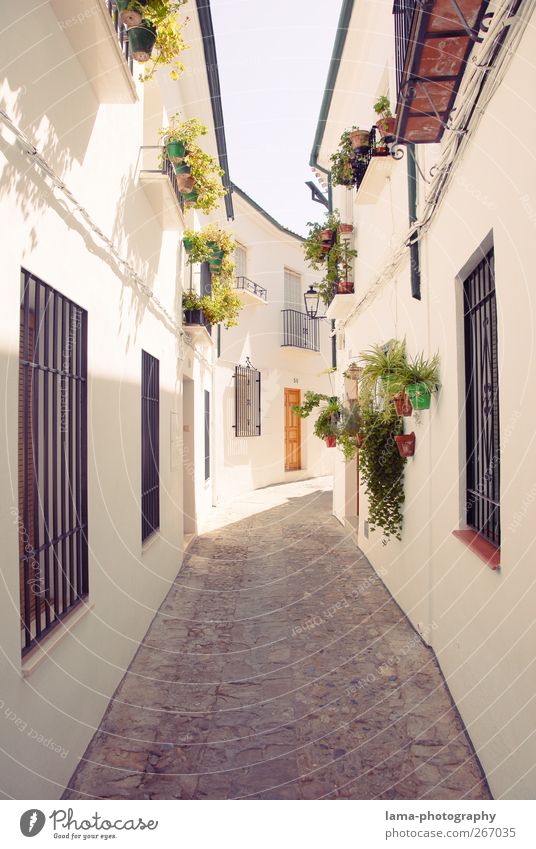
414 247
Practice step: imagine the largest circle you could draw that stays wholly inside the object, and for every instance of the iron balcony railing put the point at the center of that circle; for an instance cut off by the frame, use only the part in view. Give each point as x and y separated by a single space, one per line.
197 318
300 331
159 164
122 34
404 13
363 159
250 286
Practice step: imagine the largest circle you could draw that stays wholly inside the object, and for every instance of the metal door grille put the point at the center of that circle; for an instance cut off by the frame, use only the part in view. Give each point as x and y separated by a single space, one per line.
150 445
247 401
482 401
52 462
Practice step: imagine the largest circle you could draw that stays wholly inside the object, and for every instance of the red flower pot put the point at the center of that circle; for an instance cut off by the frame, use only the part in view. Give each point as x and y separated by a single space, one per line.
406 444
402 404
345 287
359 139
386 126
346 228
326 235
331 441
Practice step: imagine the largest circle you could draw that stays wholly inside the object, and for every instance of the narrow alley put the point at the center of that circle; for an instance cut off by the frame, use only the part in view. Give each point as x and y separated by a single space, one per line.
278 667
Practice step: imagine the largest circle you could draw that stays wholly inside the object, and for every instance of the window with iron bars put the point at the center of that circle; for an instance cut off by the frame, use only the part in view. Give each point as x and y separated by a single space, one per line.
150 445
247 401
482 401
52 458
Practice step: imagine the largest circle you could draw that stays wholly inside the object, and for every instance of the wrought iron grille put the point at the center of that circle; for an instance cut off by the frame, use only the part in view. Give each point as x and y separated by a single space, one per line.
361 160
482 401
52 462
300 331
404 12
150 445
247 401
122 34
207 434
250 286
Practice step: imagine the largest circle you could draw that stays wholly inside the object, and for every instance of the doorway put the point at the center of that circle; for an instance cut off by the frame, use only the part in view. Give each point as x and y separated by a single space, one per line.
292 431
188 462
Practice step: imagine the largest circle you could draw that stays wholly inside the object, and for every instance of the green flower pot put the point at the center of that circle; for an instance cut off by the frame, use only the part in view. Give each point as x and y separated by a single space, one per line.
419 396
188 244
181 167
176 151
142 40
191 197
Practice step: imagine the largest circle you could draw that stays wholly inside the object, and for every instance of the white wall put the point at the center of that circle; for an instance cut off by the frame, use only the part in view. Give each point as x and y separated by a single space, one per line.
480 622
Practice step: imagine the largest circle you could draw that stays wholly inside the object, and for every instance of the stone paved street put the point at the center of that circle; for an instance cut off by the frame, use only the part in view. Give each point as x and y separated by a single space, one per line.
278 667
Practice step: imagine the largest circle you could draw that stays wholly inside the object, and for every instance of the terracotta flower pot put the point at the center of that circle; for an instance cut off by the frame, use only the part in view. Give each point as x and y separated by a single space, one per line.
386 126
346 228
331 441
406 444
326 235
345 287
359 139
185 182
130 17
402 404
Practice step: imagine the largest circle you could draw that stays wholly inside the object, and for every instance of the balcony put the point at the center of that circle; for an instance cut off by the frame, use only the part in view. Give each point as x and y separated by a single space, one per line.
370 168
343 301
195 322
300 331
433 41
100 43
250 292
159 181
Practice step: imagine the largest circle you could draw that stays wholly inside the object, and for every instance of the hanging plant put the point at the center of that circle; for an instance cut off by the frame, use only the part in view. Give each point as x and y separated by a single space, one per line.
223 305
201 245
342 172
180 146
384 367
314 244
421 377
161 18
382 470
386 122
336 260
350 431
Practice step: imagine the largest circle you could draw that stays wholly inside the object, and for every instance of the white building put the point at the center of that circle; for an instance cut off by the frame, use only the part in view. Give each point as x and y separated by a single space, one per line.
112 453
463 569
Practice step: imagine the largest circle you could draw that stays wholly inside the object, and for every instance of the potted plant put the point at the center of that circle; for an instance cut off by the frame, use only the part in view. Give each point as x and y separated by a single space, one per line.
382 470
161 19
421 377
350 431
131 11
178 137
202 245
318 242
192 305
402 404
346 228
384 365
325 426
386 122
406 444
359 139
198 173
342 172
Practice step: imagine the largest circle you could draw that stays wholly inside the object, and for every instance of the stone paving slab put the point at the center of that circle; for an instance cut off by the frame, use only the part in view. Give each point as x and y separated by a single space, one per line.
278 667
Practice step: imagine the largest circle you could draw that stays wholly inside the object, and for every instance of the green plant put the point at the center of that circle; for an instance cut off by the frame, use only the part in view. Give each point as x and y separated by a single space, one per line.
191 301
314 246
203 167
163 14
382 470
312 400
327 420
350 432
336 259
223 305
385 364
342 172
202 244
421 370
382 107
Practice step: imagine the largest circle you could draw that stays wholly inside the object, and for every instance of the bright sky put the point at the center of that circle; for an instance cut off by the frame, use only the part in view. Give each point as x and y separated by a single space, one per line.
273 58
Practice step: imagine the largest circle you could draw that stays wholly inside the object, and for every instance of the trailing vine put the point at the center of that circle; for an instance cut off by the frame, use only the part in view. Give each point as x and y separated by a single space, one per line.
382 470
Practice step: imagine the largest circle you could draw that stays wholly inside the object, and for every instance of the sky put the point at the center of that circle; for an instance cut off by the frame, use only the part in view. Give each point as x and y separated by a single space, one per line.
273 59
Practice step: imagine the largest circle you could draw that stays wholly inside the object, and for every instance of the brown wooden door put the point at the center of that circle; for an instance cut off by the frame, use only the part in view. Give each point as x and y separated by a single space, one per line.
292 431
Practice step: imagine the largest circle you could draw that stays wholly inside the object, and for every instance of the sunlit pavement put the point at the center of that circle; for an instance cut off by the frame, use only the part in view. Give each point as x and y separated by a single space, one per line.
278 667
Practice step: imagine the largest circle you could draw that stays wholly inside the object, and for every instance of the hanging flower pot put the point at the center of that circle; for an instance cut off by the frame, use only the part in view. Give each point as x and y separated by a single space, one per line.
188 243
402 404
181 168
406 444
359 139
216 259
141 41
419 396
346 228
326 235
191 197
345 287
186 183
130 17
176 151
331 441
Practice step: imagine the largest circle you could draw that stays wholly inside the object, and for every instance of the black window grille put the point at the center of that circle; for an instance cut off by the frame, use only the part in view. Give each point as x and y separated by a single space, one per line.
300 331
150 445
52 461
207 434
247 401
482 401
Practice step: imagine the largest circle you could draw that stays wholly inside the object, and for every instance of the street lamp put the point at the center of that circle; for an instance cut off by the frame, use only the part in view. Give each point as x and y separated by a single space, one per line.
311 299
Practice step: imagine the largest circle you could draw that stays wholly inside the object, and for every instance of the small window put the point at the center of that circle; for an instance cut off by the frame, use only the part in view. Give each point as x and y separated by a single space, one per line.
293 291
241 261
150 445
482 401
247 401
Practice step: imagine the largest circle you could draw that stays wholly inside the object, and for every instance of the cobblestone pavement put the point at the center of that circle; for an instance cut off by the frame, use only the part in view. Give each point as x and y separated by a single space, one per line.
278 667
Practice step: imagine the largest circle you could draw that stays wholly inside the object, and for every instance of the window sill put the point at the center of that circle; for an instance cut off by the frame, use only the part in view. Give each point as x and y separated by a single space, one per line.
42 651
486 551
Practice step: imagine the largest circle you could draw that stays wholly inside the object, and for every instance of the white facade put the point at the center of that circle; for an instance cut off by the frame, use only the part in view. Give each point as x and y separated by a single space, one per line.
479 621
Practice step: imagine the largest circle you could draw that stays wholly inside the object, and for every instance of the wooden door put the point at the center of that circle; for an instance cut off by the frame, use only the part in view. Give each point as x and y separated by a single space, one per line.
292 431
